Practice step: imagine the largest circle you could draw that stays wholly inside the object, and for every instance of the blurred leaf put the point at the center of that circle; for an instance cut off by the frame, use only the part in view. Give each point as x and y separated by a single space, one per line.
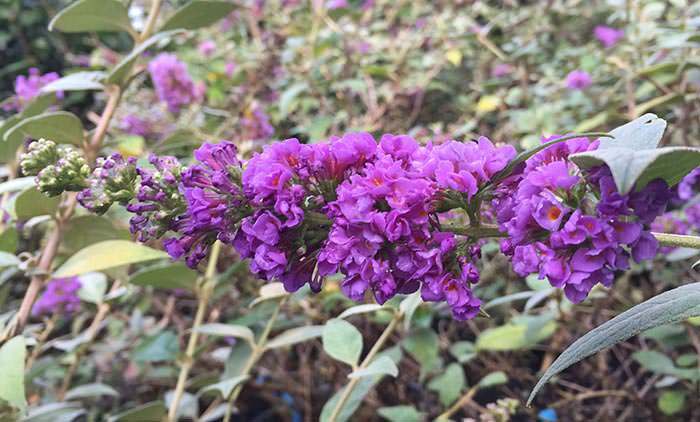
360 309
55 412
671 402
93 287
454 56
672 306
662 364
342 341
107 254
39 104
237 359
380 366
408 308
449 384
508 298
93 15
463 351
121 71
14 185
658 102
91 390
286 101
149 412
198 14
12 356
162 347
8 240
228 330
8 260
270 291
517 334
225 387
78 81
8 149
61 127
422 344
295 335
594 122
493 379
401 414
681 254
166 276
86 230
32 203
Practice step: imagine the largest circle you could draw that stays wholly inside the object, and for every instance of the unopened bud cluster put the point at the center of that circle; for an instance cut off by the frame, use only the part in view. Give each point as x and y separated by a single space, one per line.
58 168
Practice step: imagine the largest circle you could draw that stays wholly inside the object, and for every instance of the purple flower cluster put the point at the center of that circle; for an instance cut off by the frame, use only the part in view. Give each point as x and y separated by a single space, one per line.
112 181
28 87
578 80
60 295
173 83
607 35
556 230
136 125
256 124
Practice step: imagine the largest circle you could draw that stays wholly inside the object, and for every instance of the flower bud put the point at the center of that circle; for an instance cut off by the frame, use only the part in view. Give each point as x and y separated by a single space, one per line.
68 173
113 180
40 154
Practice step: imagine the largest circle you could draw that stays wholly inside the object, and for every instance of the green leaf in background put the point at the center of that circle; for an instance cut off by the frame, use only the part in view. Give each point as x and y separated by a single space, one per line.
270 291
14 185
108 254
12 356
408 307
32 203
380 366
93 287
463 351
342 341
423 345
8 240
228 330
493 379
449 384
166 276
162 347
93 15
8 150
198 14
151 412
78 81
55 412
86 230
360 309
61 127
38 105
671 402
520 333
401 414
121 71
669 307
8 260
91 390
225 387
288 97
295 335
662 364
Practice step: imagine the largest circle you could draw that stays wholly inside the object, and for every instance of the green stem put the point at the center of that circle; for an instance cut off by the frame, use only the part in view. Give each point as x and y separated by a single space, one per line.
368 359
677 240
258 350
204 293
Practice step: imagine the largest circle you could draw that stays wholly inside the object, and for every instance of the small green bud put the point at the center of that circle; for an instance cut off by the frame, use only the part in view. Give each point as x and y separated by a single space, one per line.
40 154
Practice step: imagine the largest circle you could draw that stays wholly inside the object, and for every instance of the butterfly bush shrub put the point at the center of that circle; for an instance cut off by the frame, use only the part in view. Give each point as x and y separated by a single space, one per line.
210 203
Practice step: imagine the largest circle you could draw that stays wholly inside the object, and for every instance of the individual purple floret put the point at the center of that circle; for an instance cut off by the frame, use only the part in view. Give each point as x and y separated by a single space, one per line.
60 296
28 87
607 35
113 180
172 83
578 80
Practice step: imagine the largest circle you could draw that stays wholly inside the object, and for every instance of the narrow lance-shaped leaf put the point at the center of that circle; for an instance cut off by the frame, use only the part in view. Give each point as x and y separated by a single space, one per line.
93 15
670 307
198 13
78 81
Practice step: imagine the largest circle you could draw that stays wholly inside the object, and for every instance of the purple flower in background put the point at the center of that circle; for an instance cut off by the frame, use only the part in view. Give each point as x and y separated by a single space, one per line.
28 87
172 83
607 35
336 4
256 124
136 125
578 80
230 68
206 48
501 69
60 296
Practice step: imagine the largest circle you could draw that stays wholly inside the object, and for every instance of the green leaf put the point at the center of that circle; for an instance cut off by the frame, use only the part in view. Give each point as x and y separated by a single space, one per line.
55 412
166 276
93 287
521 333
162 347
671 402
408 307
91 390
38 105
32 203
401 414
360 309
228 330
342 341
463 351
644 132
8 240
78 81
662 364
8 260
108 254
121 71
198 14
152 412
422 344
286 101
61 127
380 366
493 379
449 384
86 230
270 291
670 307
12 356
225 387
295 335
14 185
8 150
93 15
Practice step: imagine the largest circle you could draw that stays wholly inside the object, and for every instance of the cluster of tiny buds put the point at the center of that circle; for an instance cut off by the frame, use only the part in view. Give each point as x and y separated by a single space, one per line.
58 168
